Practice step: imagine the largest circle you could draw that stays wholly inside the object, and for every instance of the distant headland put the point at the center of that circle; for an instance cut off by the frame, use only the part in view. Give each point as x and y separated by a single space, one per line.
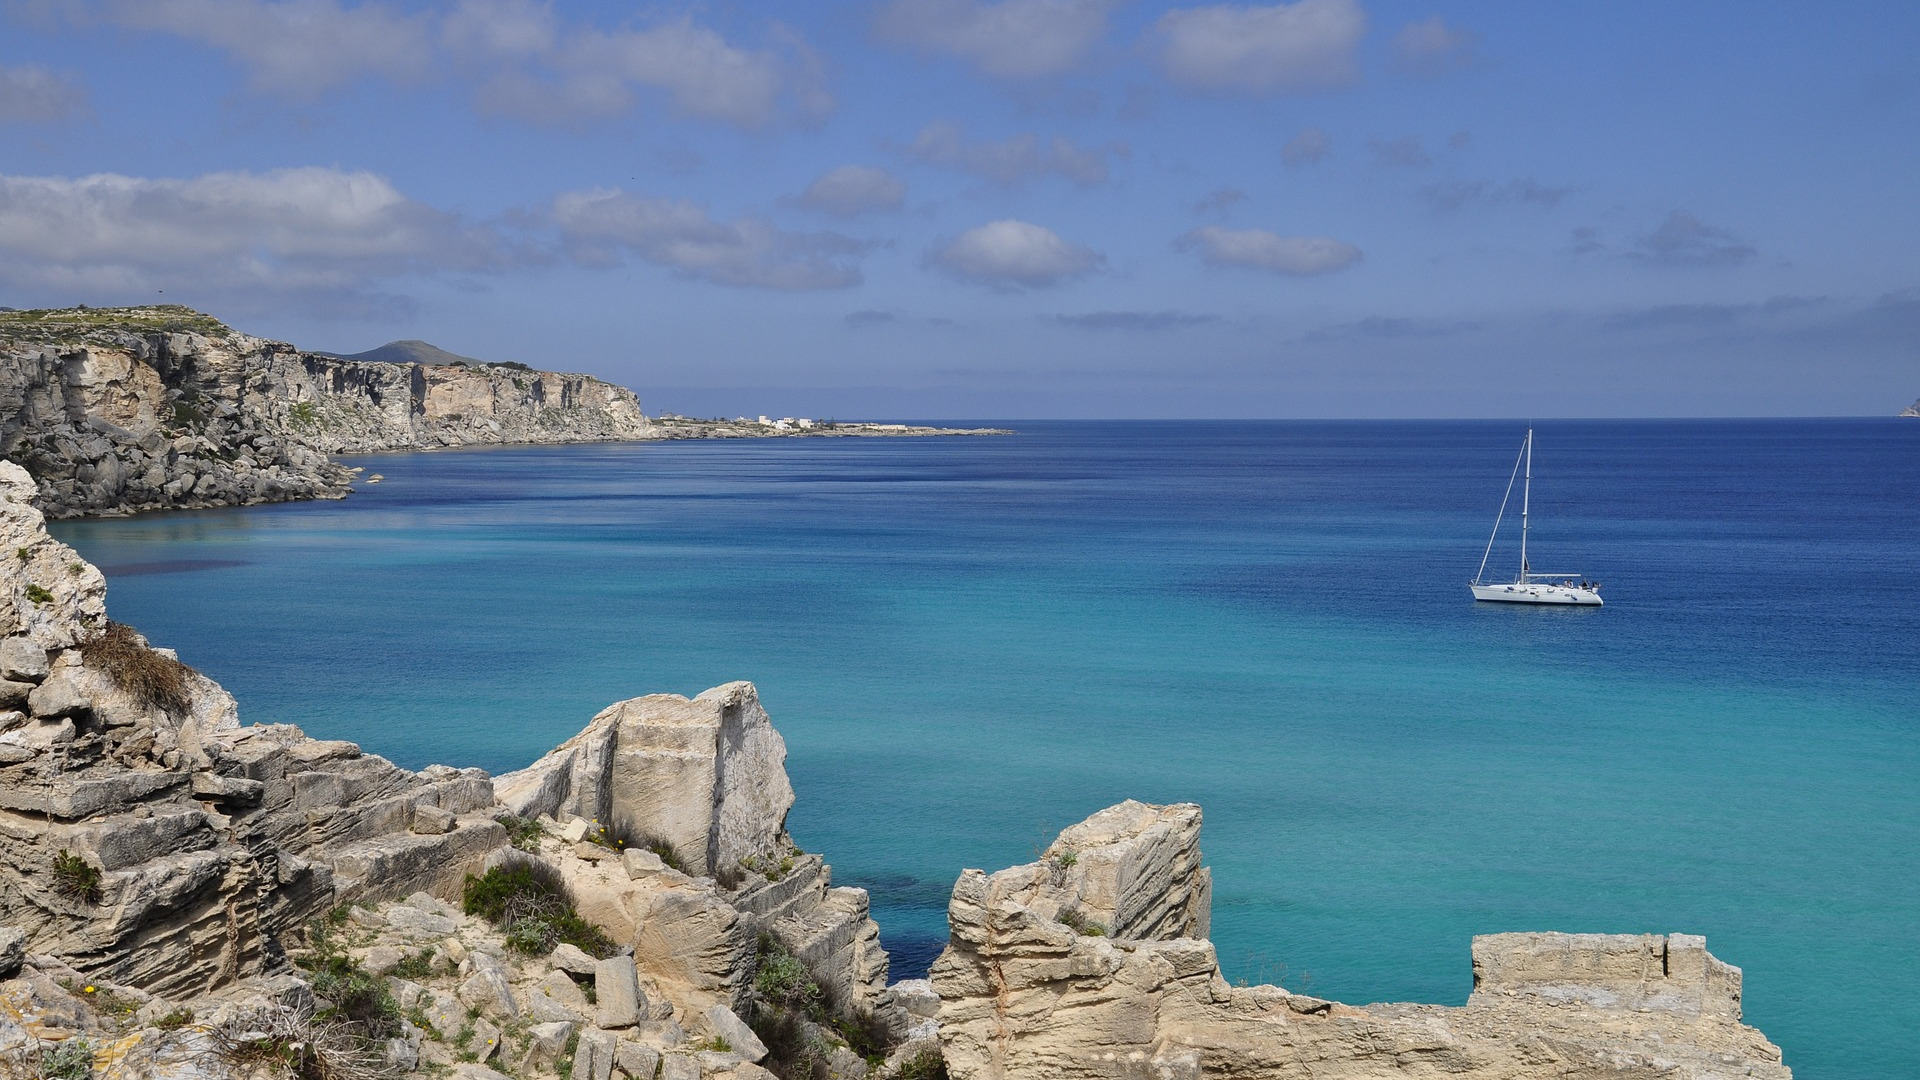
161 407
1911 410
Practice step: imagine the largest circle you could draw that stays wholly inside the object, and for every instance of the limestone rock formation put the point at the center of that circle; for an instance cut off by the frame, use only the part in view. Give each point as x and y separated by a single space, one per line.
127 409
162 865
706 776
150 839
704 782
1090 963
1911 410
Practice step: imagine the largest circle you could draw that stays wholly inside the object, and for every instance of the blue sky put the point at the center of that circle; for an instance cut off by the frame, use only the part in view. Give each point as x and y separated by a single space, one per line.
947 208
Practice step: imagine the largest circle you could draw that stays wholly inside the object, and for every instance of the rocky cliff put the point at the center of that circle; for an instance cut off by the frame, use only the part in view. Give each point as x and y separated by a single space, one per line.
1911 410
191 897
155 408
1093 962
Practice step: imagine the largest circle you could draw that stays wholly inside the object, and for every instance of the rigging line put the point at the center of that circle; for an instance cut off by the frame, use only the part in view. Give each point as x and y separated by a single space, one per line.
1496 518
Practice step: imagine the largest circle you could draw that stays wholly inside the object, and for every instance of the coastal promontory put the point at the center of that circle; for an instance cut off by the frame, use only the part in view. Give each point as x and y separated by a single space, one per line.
122 410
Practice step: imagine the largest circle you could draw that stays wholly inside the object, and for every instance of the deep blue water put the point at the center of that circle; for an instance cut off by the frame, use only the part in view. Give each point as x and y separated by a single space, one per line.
972 643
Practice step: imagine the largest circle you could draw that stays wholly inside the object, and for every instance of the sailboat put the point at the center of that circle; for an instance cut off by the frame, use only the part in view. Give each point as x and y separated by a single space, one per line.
1529 587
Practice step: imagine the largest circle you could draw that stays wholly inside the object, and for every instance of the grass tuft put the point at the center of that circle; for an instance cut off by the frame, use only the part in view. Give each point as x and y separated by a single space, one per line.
75 878
1075 920
155 680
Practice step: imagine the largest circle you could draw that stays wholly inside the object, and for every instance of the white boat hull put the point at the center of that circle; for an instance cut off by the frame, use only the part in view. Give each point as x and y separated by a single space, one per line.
1535 592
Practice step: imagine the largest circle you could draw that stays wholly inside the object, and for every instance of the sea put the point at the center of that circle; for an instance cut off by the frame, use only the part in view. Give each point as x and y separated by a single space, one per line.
971 643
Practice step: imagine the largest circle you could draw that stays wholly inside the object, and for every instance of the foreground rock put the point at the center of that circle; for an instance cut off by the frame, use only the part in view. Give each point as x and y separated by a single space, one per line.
1092 962
153 408
185 893
703 783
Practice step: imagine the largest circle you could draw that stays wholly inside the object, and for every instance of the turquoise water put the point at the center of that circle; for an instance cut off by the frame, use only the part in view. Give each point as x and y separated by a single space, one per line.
972 643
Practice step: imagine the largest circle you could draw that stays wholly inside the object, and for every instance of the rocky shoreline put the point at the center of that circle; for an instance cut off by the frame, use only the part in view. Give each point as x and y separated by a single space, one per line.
125 410
183 897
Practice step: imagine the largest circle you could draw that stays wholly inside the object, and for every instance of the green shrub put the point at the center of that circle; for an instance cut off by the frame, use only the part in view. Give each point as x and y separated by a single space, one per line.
75 878
416 967
354 996
717 1044
39 595
527 899
523 833
784 981
864 1033
68 1060
175 1020
926 1065
659 846
1074 919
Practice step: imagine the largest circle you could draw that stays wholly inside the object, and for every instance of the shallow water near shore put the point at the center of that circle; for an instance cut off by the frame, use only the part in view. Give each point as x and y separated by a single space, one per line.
971 643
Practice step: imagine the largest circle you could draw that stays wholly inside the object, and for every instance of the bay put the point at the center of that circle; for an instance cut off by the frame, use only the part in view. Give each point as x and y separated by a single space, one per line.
972 643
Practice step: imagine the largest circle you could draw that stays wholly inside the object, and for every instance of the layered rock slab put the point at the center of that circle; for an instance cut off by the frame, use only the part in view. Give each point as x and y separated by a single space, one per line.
1031 985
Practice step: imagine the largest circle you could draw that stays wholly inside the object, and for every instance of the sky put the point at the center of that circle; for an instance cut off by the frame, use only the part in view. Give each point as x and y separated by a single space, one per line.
892 209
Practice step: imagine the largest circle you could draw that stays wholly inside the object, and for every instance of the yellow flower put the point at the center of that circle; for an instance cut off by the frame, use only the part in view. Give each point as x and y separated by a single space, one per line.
89 990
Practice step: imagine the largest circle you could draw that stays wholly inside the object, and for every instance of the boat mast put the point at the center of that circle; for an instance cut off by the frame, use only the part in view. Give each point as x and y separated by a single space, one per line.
1526 494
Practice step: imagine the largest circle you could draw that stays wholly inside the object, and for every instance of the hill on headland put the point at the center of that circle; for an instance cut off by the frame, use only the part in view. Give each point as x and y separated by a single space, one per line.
410 351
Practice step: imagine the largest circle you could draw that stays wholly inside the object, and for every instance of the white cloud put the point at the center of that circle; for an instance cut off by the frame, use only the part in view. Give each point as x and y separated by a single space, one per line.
1016 39
1432 48
1451 195
1309 146
542 75
1013 254
1308 45
34 95
1685 240
1219 201
602 225
1404 152
852 190
294 48
1011 161
499 28
313 231
527 64
1298 255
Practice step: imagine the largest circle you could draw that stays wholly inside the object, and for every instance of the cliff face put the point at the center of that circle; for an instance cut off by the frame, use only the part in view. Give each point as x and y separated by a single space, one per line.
1911 410
1093 963
163 408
